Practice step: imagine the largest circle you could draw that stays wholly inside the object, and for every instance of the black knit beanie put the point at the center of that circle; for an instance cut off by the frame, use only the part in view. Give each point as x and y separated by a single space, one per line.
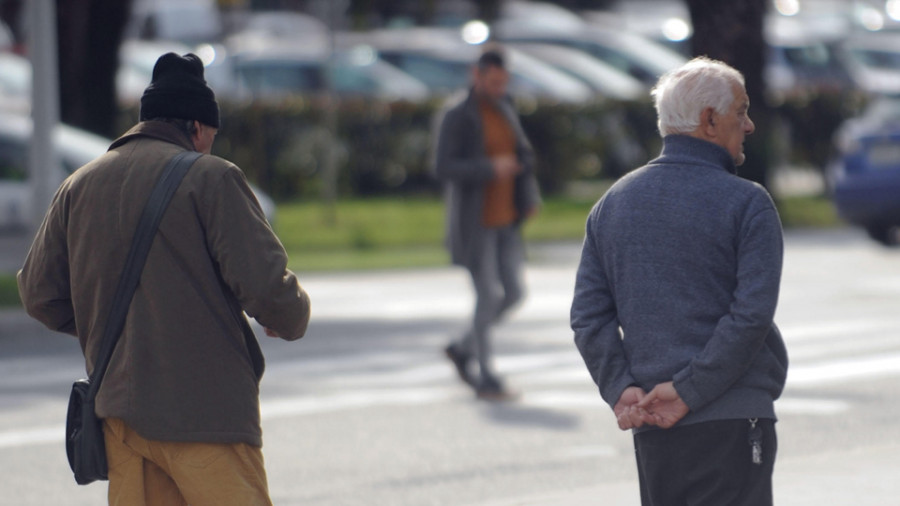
178 90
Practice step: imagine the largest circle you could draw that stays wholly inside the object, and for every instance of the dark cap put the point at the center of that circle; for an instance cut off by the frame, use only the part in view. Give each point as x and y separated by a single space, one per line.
178 90
491 56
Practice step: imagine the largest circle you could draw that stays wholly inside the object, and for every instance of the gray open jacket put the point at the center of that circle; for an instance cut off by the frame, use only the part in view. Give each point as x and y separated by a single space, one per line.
679 280
461 163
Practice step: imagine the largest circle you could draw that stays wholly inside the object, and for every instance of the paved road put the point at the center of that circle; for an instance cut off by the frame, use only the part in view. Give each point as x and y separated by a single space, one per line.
365 411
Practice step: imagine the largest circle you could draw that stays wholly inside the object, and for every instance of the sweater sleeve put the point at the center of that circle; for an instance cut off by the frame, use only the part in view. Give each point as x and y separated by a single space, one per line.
252 260
595 322
741 333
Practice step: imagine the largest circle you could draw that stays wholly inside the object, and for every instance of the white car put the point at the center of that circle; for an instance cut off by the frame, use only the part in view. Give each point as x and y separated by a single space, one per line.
638 56
75 148
272 69
873 59
442 60
603 78
15 83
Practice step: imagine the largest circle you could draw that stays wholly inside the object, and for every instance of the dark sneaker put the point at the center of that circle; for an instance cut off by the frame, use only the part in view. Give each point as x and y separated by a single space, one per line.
491 389
461 363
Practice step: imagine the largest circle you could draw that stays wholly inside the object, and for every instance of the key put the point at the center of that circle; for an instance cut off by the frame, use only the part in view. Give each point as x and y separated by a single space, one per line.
757 453
755 440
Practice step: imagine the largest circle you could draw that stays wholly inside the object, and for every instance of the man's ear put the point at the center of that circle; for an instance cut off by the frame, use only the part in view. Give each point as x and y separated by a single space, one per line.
195 136
708 121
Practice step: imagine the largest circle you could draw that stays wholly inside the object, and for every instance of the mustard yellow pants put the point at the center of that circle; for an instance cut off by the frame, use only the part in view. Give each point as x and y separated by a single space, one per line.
156 473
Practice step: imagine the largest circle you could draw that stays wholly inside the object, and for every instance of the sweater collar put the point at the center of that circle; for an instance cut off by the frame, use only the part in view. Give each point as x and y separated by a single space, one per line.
157 130
680 149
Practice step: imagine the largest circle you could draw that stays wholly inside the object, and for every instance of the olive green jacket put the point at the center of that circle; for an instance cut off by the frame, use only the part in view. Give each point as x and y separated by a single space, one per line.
184 368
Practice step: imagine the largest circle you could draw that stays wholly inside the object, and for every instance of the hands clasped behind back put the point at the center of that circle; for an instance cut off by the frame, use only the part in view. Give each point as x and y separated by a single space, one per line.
662 407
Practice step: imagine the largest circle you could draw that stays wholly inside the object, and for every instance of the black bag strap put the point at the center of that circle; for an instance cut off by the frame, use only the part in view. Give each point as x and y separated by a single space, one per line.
156 206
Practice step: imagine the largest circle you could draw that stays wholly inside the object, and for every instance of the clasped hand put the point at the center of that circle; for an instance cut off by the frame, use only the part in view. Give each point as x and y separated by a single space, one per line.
662 407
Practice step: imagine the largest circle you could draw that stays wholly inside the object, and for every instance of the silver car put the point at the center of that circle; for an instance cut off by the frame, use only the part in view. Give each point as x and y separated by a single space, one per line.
75 148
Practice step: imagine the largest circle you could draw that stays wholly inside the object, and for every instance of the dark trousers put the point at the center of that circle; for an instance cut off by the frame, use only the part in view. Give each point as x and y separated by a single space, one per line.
706 464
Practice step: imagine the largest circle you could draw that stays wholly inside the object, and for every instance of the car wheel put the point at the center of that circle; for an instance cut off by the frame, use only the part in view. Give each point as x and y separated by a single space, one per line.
884 234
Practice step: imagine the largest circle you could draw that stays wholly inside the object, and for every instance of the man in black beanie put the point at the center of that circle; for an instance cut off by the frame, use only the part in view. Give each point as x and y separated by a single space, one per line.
180 399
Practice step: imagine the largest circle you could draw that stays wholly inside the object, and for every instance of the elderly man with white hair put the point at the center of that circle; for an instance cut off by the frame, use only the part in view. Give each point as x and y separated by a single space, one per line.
675 296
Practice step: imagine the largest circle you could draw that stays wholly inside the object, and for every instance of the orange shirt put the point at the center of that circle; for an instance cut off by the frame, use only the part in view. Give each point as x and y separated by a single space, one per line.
499 207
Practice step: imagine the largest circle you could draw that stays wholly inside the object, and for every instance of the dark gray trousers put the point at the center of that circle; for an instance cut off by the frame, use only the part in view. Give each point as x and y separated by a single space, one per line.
706 464
497 279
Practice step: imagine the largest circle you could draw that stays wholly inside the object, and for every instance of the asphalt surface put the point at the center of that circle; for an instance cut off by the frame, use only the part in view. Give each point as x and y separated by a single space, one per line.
836 448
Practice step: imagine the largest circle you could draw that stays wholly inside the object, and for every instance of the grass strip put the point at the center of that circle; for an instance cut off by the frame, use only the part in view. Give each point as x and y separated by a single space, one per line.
390 233
9 291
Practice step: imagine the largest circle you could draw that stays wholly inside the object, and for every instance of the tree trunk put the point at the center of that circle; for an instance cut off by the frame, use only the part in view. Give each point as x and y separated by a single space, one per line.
90 33
733 32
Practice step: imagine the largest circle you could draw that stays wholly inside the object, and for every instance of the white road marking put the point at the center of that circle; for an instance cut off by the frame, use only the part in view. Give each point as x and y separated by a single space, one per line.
555 379
863 367
35 436
804 406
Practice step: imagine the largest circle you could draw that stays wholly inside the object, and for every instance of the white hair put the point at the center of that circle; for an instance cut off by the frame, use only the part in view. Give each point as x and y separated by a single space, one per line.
683 93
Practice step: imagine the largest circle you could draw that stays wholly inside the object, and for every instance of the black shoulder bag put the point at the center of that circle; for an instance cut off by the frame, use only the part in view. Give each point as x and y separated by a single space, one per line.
84 431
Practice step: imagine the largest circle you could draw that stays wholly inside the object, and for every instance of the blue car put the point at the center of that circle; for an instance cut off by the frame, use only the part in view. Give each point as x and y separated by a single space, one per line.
866 181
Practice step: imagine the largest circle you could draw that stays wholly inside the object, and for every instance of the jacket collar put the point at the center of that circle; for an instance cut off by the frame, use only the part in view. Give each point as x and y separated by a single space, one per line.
681 149
159 130
504 105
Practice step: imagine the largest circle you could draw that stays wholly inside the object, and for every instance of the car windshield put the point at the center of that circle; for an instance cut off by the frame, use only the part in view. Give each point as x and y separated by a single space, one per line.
263 78
438 74
811 56
878 58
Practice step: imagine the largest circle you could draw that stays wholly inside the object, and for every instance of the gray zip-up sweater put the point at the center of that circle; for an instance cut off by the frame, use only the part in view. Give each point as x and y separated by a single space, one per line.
678 281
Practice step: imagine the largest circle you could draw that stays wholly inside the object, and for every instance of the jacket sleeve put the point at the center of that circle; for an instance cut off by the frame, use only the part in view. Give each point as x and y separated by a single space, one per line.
524 150
456 160
595 322
525 154
44 285
741 333
251 259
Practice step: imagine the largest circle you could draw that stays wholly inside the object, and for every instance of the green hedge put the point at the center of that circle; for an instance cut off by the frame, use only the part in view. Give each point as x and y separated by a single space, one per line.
384 148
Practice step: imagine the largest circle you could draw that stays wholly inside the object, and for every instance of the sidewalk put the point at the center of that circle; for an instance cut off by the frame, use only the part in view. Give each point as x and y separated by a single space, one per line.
862 477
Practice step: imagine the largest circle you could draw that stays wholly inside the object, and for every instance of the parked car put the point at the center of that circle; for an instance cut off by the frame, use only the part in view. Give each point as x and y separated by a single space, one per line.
256 25
187 21
604 79
873 59
75 148
866 179
442 60
136 61
15 83
667 22
638 56
804 56
273 69
537 15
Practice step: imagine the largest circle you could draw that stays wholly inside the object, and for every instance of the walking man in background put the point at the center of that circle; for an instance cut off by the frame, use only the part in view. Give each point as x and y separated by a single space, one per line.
486 164
675 297
180 400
